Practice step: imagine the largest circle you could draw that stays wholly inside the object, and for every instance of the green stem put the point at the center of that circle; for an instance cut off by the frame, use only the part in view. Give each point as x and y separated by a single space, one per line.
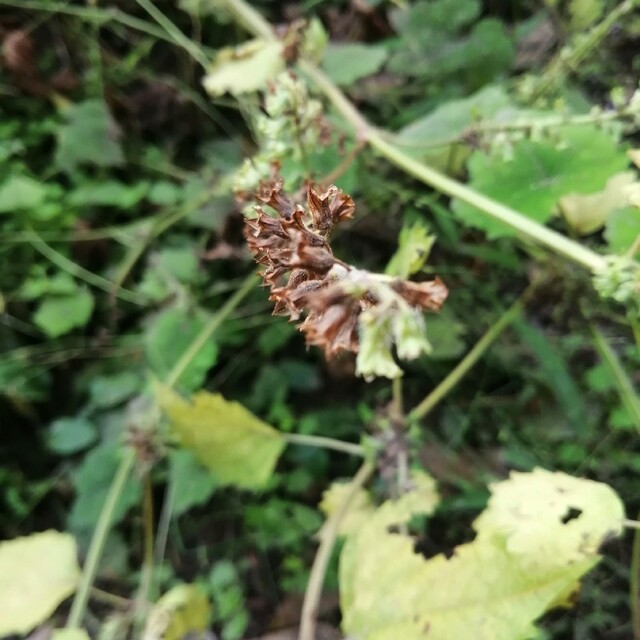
208 330
324 443
465 365
80 272
377 139
175 34
98 540
627 393
148 544
323 555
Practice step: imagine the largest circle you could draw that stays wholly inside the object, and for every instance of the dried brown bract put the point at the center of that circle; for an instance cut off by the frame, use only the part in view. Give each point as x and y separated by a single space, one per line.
340 302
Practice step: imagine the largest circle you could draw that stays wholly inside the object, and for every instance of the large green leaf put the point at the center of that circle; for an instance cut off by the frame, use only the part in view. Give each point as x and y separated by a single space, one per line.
539 172
191 483
90 136
37 573
235 445
539 534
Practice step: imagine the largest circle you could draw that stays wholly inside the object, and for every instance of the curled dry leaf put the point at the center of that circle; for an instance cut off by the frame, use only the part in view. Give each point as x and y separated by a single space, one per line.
306 278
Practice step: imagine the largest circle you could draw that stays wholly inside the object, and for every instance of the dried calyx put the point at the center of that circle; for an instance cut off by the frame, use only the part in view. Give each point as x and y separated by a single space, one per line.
345 309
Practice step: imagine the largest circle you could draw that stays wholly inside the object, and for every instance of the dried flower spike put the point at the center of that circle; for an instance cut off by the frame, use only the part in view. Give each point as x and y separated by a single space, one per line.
346 309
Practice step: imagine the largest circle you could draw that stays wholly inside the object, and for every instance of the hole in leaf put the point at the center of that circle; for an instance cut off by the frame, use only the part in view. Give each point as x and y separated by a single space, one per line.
571 514
442 535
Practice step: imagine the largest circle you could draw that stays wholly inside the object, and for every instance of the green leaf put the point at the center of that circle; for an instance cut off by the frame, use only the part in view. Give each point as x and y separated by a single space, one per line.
555 375
414 246
528 556
191 483
109 391
90 136
623 229
183 611
70 435
540 172
360 509
37 573
109 193
21 192
236 446
346 63
245 68
430 136
166 340
588 213
57 315
92 481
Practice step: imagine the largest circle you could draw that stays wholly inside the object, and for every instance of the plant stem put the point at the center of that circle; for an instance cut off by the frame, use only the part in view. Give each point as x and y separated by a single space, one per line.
208 330
377 139
175 34
80 272
465 365
147 565
323 555
98 540
627 393
324 443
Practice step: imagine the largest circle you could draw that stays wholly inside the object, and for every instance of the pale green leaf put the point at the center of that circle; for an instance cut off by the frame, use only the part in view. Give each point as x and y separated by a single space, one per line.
90 136
527 558
37 573
584 13
623 229
245 68
414 245
21 192
374 353
183 611
191 483
236 446
346 63
167 339
92 481
69 634
57 315
70 435
539 173
109 391
588 213
430 137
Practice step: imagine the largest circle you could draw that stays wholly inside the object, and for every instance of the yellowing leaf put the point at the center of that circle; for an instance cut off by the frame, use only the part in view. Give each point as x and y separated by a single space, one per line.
551 518
245 68
493 588
69 634
182 611
37 573
414 245
360 509
225 437
588 213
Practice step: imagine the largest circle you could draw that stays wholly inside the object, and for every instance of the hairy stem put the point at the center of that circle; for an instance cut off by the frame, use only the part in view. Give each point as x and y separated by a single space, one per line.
465 365
323 555
324 443
98 540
